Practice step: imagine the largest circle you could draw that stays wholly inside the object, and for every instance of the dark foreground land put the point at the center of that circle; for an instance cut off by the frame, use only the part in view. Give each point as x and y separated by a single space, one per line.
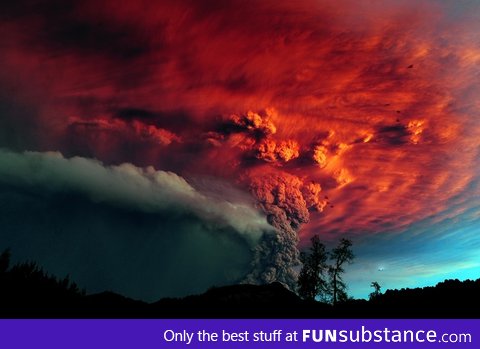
26 291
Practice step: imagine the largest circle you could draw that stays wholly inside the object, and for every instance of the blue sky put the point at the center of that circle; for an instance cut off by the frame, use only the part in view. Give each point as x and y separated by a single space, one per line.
422 255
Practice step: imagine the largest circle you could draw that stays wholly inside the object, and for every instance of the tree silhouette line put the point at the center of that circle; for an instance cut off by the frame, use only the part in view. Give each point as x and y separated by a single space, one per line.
323 280
26 284
320 281
377 291
26 290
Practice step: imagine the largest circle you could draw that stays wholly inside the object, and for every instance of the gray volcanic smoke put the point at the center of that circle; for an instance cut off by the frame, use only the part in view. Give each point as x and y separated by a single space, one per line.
286 200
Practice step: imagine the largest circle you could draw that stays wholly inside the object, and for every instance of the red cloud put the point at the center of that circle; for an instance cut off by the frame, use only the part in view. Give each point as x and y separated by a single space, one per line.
376 103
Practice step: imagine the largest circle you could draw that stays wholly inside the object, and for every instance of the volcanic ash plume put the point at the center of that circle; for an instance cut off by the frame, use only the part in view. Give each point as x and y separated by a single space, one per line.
286 200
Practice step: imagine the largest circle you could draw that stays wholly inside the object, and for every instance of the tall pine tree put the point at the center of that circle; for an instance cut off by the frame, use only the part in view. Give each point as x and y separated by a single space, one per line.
311 281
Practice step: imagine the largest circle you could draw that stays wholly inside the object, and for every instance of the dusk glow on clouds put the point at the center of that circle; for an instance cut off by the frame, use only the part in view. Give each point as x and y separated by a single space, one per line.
356 119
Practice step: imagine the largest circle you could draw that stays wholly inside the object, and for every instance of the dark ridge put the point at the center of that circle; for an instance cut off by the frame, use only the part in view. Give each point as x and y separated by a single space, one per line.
26 291
242 301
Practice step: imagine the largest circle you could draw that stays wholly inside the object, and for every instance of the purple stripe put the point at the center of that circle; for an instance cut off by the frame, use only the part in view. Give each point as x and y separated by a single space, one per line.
119 334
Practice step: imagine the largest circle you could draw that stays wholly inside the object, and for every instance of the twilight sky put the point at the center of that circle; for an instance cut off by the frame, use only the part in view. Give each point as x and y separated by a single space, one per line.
157 148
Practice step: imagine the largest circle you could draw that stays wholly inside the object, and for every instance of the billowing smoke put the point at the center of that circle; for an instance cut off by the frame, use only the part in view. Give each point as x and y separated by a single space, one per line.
128 186
286 200
255 123
141 232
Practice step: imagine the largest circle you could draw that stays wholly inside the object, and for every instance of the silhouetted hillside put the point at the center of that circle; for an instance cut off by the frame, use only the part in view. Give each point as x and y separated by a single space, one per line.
243 301
451 298
27 291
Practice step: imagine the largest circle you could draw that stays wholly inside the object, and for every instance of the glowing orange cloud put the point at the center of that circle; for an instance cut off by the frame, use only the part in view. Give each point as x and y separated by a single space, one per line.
372 108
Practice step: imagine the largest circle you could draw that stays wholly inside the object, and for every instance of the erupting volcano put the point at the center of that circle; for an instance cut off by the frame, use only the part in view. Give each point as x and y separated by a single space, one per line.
222 135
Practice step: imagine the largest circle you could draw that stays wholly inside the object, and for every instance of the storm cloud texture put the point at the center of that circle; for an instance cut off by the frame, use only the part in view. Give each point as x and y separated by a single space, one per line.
258 123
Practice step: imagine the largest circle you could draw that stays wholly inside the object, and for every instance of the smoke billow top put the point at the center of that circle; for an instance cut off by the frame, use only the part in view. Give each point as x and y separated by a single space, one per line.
126 185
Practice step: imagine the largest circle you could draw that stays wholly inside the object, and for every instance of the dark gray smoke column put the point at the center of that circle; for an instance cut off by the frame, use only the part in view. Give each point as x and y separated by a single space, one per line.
286 200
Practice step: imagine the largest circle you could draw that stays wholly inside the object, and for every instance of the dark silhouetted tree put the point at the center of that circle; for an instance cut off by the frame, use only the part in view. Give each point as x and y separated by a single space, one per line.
376 290
340 255
5 260
311 280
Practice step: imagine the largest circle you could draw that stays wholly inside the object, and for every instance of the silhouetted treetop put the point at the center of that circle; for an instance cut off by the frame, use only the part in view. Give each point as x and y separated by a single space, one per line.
5 260
311 280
